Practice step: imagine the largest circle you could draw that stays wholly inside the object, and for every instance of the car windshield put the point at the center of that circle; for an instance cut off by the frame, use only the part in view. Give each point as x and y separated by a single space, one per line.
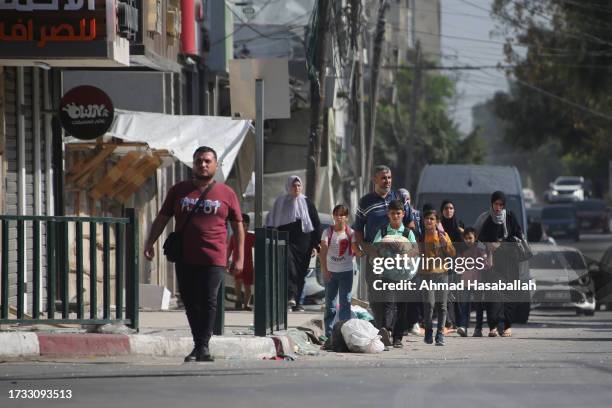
557 213
591 205
573 259
546 260
557 260
568 182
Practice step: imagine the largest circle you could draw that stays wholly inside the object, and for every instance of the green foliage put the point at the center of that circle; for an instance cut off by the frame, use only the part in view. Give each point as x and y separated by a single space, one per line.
568 55
437 137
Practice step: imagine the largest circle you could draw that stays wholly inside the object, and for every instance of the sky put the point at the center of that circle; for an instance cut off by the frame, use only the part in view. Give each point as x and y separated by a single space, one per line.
470 20
466 40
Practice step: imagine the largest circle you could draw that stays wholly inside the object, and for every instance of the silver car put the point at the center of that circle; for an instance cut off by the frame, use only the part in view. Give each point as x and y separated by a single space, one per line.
562 279
566 189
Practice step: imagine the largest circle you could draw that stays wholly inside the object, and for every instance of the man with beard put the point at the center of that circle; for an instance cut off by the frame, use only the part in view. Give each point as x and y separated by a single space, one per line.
370 218
201 208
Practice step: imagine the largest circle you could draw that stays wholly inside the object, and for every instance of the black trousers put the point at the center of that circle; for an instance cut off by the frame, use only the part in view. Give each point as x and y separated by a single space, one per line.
199 286
383 314
298 268
407 315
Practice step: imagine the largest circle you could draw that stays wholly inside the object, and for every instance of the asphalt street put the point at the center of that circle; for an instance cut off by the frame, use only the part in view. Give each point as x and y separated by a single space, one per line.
556 360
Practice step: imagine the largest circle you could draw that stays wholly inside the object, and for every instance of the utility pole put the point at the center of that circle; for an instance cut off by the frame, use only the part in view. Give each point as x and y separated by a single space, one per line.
317 96
376 57
414 105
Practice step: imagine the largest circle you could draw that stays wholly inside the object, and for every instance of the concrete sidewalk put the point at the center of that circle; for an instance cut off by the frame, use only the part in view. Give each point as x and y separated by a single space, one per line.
161 334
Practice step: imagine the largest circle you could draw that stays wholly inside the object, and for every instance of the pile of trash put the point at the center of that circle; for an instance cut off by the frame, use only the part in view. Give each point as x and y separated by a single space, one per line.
354 335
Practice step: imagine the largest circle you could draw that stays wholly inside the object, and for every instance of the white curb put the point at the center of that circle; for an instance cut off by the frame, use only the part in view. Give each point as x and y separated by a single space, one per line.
19 344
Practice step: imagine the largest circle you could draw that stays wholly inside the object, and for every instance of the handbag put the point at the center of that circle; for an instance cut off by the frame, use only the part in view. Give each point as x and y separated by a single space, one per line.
523 249
173 245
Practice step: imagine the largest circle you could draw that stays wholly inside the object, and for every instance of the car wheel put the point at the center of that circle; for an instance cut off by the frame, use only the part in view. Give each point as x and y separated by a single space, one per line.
579 312
589 312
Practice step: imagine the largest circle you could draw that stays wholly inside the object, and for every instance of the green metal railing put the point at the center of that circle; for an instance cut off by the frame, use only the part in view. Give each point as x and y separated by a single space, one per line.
59 253
270 280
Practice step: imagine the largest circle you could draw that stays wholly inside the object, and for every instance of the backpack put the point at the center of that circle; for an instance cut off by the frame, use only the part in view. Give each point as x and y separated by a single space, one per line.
330 233
405 233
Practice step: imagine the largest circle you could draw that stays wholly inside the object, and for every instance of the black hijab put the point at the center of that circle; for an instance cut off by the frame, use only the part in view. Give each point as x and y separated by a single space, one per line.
451 225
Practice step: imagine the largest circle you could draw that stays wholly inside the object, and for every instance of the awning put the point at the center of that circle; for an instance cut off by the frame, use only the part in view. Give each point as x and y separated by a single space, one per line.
183 134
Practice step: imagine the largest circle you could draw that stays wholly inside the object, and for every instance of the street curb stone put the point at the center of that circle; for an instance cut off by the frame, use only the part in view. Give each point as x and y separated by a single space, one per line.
19 344
54 344
24 344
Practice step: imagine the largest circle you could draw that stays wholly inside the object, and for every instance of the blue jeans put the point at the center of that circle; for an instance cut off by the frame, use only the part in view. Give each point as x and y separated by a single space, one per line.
342 282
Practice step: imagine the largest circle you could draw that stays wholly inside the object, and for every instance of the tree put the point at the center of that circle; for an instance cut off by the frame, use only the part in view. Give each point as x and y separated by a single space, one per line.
437 137
562 81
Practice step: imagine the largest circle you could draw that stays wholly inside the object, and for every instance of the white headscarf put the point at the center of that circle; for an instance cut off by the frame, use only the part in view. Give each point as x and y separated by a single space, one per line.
288 209
499 219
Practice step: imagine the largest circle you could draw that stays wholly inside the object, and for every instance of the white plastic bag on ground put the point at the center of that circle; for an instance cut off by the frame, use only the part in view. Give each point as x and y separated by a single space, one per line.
361 336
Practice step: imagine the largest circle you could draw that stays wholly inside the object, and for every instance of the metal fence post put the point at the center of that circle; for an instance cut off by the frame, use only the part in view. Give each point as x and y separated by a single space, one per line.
260 282
132 267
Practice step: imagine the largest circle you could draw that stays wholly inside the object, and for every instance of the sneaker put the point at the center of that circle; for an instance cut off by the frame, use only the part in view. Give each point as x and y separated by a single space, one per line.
428 336
292 302
384 337
477 333
493 332
397 343
462 331
416 330
203 354
440 339
298 308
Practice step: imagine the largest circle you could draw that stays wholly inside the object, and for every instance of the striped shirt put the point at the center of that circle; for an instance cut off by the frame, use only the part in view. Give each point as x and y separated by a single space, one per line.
372 214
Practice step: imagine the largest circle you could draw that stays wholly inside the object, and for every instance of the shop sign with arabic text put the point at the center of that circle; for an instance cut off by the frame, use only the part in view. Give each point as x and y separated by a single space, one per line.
53 28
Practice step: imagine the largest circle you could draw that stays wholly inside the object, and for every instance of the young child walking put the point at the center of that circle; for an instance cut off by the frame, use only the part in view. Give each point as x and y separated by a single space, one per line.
474 250
394 239
336 256
246 277
437 245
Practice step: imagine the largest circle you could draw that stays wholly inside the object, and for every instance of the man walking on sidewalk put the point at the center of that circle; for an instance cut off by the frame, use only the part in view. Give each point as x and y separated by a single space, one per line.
371 216
201 267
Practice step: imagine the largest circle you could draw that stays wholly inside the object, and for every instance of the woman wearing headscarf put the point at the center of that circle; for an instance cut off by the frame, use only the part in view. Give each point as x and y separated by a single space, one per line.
454 228
495 227
295 213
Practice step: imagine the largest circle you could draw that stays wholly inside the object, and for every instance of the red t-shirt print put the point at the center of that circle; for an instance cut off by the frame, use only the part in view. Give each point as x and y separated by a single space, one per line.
205 236
344 246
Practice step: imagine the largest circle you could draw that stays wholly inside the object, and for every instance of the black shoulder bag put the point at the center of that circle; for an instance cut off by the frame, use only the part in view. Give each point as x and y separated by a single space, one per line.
173 246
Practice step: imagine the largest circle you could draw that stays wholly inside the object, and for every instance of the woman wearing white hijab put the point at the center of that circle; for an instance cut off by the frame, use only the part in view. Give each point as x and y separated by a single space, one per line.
295 213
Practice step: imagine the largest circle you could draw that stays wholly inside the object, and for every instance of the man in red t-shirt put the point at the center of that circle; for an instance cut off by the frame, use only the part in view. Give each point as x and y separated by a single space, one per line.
202 266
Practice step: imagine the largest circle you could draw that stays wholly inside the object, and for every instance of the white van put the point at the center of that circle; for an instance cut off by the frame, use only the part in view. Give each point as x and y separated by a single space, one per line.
469 187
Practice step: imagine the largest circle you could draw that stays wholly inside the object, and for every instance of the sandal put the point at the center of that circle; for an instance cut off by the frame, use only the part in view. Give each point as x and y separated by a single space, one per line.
507 332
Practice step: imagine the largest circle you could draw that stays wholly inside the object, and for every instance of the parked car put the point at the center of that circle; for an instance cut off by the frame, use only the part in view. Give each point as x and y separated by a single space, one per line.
593 214
562 279
566 189
602 277
560 220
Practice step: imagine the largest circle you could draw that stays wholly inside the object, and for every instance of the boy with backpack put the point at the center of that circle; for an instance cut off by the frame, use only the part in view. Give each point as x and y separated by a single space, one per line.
336 256
393 238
